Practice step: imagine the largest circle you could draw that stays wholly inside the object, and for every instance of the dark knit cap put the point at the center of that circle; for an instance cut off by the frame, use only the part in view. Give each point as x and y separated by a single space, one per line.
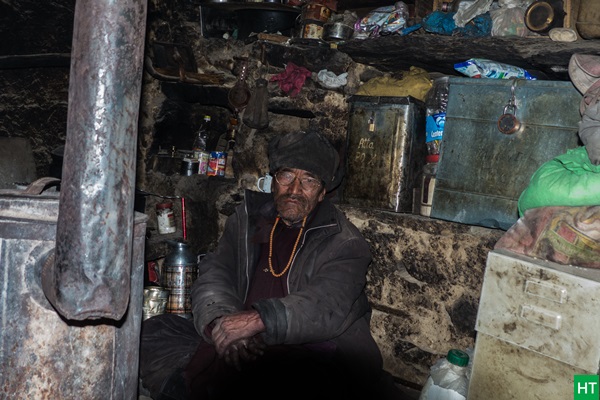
308 151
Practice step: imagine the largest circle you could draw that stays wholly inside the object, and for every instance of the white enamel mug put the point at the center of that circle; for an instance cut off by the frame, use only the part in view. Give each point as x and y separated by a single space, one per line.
264 183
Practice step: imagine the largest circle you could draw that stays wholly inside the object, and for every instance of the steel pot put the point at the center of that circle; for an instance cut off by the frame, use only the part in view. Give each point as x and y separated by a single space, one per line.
337 31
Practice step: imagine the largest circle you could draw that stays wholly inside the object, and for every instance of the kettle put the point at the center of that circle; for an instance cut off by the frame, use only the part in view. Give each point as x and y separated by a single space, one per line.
181 270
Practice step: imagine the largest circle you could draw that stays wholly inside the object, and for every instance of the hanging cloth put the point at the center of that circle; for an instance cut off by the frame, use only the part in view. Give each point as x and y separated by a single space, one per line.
256 114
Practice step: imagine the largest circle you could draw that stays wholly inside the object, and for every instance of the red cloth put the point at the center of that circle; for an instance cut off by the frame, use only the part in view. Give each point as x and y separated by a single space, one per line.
292 79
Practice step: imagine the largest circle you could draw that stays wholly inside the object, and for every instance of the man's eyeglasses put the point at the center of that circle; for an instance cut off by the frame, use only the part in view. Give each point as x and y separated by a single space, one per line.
286 178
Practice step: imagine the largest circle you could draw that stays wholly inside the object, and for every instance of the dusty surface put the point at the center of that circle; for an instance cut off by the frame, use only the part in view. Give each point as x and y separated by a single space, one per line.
424 285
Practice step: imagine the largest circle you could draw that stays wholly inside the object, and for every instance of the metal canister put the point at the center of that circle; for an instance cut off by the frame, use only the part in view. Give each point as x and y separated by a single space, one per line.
165 218
312 29
181 270
189 166
155 301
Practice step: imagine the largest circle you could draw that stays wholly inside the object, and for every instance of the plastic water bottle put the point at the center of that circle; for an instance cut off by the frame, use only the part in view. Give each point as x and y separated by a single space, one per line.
436 103
448 378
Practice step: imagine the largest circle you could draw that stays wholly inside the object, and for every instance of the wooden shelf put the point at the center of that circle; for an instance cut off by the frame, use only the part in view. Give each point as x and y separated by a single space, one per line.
438 53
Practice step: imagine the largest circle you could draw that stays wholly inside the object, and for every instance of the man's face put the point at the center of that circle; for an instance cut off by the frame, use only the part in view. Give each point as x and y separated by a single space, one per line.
297 193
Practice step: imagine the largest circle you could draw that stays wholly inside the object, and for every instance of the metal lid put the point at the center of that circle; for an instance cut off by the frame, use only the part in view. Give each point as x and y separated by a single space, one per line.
161 206
180 255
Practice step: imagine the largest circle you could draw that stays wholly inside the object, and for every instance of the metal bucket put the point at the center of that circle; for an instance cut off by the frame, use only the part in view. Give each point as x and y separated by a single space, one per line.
42 354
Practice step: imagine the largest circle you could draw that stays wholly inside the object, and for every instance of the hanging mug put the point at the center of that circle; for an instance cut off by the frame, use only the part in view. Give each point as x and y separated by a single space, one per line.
264 183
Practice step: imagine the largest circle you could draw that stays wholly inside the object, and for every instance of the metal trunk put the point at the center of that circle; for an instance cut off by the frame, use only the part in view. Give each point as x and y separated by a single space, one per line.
386 151
482 171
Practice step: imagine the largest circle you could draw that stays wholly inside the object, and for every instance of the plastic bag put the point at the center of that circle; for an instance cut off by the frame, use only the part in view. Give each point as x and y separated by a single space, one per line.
483 68
567 180
386 19
509 22
464 15
564 235
415 82
330 80
443 23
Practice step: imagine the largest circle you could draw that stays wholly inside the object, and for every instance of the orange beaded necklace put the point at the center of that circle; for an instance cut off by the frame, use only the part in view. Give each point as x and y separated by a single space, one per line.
277 275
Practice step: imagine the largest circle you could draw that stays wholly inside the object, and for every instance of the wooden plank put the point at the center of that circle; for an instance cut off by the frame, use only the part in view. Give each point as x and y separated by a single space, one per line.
438 53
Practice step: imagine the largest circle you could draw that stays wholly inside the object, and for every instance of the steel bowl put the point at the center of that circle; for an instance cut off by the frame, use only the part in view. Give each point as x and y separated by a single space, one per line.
337 31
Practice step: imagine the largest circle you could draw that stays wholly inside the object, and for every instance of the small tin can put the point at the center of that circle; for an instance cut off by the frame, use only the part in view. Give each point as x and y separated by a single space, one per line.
155 301
189 166
312 30
216 163
165 218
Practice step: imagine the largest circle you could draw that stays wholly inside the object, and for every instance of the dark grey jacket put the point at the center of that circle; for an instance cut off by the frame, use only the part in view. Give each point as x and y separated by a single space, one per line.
325 282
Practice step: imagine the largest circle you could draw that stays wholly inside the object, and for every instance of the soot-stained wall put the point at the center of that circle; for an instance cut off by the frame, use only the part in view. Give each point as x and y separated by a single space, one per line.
426 276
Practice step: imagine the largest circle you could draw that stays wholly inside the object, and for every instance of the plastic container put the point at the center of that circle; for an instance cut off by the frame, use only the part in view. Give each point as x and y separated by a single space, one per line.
165 218
449 378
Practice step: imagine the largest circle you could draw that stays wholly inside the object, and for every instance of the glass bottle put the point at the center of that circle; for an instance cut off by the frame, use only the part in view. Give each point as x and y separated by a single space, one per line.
200 144
201 137
231 137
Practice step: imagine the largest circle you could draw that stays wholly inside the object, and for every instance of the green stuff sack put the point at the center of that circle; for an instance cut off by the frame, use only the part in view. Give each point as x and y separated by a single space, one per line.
567 180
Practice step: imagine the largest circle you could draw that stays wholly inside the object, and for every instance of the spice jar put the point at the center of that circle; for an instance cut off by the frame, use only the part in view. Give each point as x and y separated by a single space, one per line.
166 218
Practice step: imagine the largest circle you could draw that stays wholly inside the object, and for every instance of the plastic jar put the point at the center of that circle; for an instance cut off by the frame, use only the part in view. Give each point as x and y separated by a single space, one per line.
166 218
